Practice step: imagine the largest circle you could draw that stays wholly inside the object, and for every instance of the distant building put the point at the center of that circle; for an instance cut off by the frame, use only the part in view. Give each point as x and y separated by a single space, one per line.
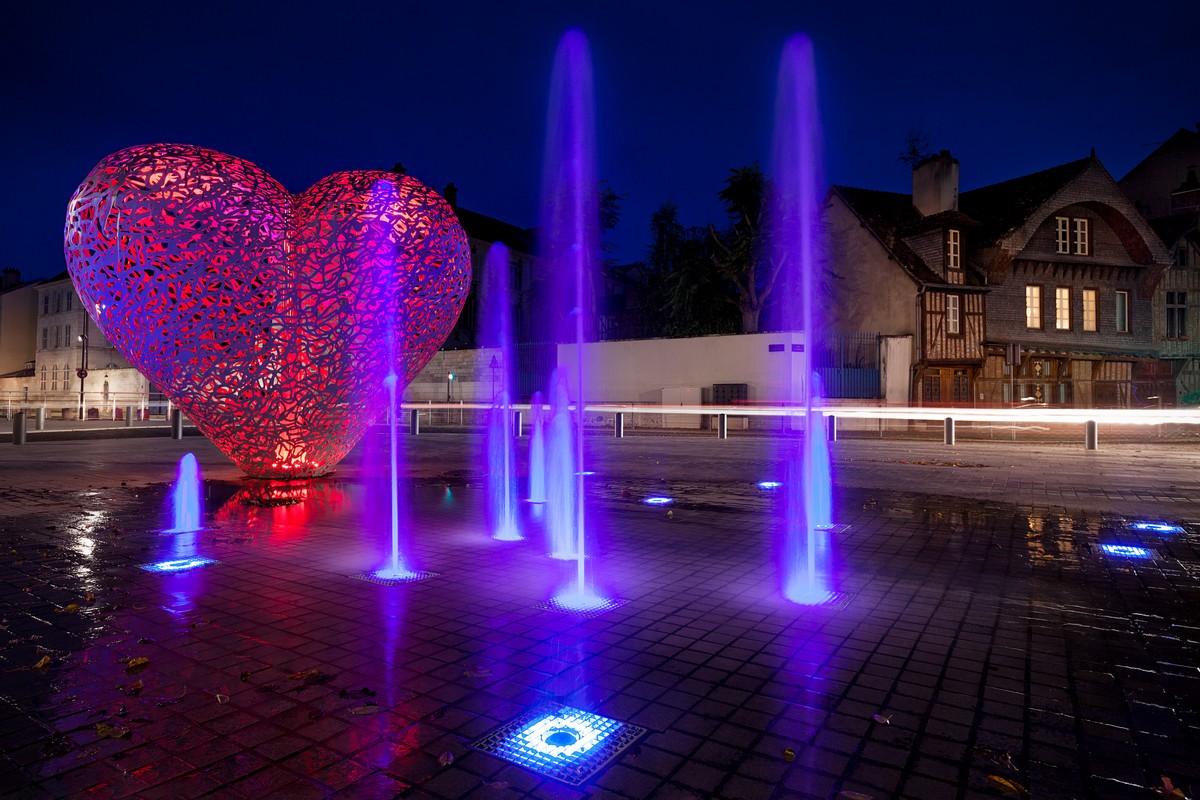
482 231
1034 290
1166 189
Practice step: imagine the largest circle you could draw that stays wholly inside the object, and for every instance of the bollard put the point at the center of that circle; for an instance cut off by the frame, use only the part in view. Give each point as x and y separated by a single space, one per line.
1091 435
831 428
39 422
516 424
176 424
948 432
414 422
722 426
619 425
18 436
128 416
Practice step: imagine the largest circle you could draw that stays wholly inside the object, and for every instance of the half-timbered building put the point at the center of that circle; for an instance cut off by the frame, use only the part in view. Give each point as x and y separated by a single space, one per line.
1034 290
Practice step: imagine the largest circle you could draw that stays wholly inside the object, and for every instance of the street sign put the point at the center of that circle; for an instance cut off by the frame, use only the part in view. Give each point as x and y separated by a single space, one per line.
81 373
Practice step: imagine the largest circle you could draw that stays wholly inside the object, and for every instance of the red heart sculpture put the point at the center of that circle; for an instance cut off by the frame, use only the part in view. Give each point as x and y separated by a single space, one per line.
271 320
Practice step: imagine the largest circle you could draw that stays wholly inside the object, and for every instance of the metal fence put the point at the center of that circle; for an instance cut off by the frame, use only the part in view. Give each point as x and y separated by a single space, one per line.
849 365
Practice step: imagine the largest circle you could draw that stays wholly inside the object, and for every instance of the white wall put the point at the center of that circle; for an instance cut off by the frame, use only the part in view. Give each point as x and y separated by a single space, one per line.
625 372
897 369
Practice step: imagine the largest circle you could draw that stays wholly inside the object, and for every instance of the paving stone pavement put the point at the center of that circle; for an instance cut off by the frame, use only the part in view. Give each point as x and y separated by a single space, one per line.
983 635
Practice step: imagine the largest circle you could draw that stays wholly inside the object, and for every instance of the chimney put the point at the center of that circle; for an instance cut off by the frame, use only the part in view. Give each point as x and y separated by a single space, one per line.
935 184
451 195
10 279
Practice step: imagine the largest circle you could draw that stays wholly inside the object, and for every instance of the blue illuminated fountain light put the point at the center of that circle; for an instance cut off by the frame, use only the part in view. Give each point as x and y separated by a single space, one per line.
1127 551
1156 527
179 564
560 742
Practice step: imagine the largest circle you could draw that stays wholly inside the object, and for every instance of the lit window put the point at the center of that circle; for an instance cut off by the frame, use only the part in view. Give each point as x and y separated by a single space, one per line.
1122 312
952 315
44 371
1081 237
1033 306
1089 309
1062 234
953 249
1062 308
54 379
1176 315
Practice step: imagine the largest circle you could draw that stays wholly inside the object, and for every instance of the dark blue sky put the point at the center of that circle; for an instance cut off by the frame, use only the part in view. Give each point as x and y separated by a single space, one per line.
457 91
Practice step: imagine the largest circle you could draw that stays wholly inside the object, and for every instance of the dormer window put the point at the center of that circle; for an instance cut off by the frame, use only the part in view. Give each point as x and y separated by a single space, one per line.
954 255
1071 236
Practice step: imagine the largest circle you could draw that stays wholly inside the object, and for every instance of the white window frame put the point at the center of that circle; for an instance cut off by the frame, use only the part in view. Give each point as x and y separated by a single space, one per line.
1090 297
1062 308
953 314
953 249
1062 235
1081 236
1033 306
1121 308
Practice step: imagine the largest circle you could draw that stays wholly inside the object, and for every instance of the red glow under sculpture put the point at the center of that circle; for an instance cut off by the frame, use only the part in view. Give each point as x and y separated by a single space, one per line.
270 319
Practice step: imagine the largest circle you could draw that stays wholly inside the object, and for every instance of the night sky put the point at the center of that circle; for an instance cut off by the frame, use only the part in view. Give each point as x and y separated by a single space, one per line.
457 92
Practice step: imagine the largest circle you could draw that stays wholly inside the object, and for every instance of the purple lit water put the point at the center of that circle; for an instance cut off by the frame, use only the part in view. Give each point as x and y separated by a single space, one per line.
537 450
382 199
793 228
496 333
571 243
561 480
185 497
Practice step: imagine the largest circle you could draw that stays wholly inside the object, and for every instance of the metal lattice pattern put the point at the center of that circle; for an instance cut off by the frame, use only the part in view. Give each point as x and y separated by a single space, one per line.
267 318
603 606
410 577
561 742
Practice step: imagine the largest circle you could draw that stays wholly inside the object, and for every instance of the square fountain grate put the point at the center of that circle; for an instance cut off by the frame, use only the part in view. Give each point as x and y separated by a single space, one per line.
178 564
841 528
602 607
560 742
412 577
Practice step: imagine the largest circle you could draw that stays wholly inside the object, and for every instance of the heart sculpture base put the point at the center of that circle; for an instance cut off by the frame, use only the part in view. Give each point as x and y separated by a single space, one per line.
271 320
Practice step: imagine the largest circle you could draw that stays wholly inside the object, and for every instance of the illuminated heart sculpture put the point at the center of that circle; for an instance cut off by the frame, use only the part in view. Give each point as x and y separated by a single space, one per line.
271 320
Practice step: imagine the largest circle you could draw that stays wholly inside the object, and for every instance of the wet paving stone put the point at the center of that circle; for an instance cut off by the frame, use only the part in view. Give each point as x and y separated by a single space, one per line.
983 636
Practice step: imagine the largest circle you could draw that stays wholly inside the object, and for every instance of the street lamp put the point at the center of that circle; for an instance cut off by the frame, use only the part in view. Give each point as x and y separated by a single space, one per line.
449 380
82 371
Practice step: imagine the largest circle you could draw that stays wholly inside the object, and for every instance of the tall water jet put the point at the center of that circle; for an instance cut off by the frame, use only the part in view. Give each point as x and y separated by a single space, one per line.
537 450
792 231
397 569
496 332
185 497
571 240
561 481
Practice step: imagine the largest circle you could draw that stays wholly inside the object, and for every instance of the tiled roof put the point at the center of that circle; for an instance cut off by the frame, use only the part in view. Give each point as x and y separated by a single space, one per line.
885 214
891 216
1004 206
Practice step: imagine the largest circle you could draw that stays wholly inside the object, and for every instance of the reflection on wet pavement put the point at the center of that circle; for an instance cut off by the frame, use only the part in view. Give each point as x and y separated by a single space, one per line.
981 642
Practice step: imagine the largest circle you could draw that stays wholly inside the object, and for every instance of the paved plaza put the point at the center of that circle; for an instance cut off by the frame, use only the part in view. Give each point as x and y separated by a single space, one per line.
983 643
